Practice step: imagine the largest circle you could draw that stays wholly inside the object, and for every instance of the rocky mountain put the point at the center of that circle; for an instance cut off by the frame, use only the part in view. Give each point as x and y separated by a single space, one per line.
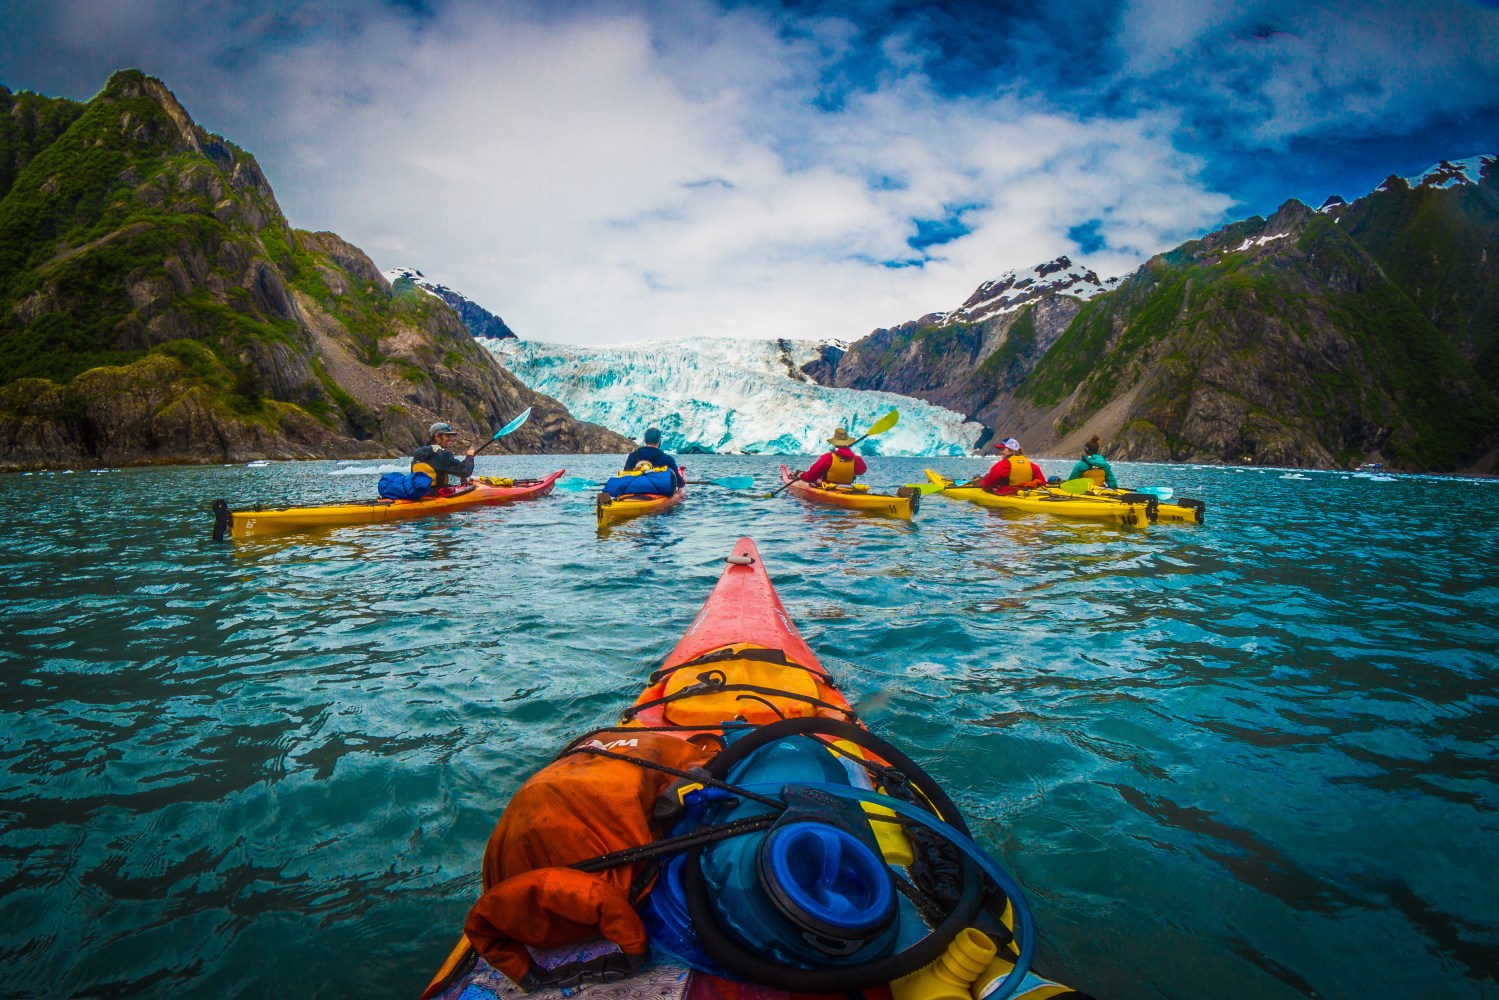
971 357
156 306
479 321
1362 331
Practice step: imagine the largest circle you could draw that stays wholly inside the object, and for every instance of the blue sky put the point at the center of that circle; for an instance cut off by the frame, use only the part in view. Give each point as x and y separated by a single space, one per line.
600 171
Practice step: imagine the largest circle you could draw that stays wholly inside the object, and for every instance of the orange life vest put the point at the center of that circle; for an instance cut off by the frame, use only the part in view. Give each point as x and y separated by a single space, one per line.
841 472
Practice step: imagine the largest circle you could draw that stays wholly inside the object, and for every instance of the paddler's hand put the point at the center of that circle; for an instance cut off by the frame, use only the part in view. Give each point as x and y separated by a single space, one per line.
470 453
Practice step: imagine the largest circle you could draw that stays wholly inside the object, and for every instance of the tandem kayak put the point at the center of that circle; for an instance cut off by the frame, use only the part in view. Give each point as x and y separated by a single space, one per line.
612 510
1045 501
902 505
739 833
486 490
1178 511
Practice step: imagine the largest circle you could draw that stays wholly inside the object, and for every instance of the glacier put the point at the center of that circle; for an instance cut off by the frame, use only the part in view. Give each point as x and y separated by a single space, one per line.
727 397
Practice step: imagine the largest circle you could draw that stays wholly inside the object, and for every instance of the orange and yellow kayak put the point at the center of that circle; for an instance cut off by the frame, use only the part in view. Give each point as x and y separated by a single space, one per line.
612 510
486 490
740 689
902 505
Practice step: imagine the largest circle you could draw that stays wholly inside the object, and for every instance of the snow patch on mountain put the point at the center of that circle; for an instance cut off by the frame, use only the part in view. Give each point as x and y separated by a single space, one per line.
1016 289
479 321
1453 173
727 396
1257 242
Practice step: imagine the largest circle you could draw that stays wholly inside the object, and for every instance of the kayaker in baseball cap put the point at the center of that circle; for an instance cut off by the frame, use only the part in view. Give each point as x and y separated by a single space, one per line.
840 466
1013 472
434 458
650 453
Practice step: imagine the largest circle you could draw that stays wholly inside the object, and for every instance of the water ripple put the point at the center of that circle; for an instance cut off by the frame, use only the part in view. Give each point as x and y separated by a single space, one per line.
1255 758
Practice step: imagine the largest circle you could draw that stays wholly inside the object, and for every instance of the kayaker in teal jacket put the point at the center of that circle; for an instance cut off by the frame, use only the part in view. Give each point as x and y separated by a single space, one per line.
1094 466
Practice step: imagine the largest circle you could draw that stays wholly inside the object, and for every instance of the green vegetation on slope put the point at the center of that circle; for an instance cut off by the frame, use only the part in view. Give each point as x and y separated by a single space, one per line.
29 123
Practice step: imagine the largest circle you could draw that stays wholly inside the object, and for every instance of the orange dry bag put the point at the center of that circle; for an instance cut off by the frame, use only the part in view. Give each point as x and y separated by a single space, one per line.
581 806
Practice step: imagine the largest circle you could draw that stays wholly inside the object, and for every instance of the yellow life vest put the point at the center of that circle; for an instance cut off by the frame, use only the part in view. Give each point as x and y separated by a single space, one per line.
842 471
1097 475
427 468
1021 470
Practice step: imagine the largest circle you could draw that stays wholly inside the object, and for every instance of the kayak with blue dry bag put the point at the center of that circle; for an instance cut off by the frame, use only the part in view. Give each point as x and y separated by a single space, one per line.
612 508
482 491
739 833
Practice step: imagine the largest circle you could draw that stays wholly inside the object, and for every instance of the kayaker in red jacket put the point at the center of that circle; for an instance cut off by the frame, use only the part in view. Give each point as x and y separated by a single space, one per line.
1013 471
840 466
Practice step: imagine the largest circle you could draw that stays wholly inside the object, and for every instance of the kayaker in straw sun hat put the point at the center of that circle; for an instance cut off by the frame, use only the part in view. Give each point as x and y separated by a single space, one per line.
1013 472
437 461
840 465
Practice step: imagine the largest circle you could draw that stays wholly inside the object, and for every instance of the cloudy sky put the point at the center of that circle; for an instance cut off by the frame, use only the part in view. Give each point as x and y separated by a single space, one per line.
598 171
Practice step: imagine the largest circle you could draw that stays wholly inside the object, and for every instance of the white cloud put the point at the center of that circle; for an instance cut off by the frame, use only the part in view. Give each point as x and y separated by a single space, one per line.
602 177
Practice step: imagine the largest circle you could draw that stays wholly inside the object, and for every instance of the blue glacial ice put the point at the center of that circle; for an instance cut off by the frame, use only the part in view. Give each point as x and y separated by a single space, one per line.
727 396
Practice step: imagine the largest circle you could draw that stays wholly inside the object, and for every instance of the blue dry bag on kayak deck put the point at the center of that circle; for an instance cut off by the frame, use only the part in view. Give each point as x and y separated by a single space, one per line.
404 485
658 481
800 892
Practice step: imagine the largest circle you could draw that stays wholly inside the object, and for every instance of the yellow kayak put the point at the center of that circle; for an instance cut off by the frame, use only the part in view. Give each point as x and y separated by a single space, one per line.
1048 501
1183 511
857 497
482 491
622 508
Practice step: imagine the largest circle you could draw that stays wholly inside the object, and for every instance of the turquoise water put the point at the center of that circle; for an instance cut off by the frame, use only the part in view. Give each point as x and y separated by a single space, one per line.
1252 758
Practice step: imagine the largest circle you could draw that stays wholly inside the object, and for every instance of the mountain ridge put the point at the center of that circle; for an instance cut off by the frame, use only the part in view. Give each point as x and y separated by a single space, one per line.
480 322
156 306
1361 331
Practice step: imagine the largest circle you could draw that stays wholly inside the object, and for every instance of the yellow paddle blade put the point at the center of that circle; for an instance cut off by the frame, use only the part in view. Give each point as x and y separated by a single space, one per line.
1076 486
883 424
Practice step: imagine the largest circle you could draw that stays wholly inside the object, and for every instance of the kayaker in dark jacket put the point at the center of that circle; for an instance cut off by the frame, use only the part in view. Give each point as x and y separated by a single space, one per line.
650 452
1093 463
434 458
840 466
1013 472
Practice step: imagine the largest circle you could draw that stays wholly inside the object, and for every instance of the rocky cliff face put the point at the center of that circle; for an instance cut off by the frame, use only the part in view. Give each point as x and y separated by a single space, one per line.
1280 341
1363 331
967 359
155 306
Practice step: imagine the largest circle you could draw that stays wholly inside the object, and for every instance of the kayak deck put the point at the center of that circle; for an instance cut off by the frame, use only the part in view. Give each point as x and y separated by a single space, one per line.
612 510
903 505
741 659
486 491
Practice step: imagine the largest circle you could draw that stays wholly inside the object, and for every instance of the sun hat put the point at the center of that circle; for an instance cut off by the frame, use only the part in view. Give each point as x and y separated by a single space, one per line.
1011 444
440 427
841 439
